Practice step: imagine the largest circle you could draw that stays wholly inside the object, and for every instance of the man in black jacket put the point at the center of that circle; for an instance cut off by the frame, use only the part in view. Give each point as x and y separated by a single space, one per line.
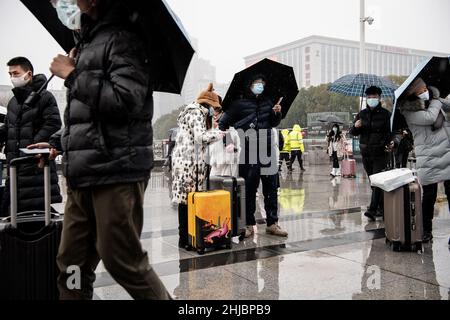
254 116
26 124
107 152
372 125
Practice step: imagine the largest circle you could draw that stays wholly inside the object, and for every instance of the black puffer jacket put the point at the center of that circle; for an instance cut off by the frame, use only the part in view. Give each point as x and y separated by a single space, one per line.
108 134
375 132
26 125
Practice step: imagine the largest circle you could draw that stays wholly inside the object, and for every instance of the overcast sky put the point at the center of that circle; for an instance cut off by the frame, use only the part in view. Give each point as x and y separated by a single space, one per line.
228 30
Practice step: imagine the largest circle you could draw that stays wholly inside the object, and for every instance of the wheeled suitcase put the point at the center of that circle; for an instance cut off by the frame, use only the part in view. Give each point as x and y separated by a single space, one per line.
236 187
209 220
29 244
403 217
348 167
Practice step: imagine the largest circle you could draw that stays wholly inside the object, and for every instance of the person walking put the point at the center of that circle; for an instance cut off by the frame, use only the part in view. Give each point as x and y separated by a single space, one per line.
297 146
107 151
337 148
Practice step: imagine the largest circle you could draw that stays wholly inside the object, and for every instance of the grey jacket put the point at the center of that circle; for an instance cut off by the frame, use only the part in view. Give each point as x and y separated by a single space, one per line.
432 147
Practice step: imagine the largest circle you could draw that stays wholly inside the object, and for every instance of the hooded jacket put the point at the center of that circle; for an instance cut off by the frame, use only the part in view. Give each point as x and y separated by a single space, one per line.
26 125
108 134
296 139
432 146
287 143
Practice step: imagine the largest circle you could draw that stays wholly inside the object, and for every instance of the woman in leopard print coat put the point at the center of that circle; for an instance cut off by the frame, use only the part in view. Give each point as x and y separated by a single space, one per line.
189 155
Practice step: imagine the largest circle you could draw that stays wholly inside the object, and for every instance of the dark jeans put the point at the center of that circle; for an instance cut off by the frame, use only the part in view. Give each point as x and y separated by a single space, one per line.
287 158
252 176
374 165
429 200
183 224
105 223
335 159
297 155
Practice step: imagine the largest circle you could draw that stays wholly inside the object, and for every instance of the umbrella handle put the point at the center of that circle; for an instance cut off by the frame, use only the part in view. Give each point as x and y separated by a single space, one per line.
362 97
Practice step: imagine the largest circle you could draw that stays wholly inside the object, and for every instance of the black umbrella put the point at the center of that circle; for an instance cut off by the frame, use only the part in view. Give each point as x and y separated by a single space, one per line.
281 83
331 118
435 71
168 46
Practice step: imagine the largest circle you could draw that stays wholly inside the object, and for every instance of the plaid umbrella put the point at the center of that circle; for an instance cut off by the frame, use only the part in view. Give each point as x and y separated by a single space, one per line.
355 85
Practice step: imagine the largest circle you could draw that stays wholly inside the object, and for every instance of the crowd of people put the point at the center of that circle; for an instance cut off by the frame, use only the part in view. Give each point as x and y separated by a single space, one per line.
107 149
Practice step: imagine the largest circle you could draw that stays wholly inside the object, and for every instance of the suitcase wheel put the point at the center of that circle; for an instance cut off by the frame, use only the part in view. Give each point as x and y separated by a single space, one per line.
201 251
228 246
242 236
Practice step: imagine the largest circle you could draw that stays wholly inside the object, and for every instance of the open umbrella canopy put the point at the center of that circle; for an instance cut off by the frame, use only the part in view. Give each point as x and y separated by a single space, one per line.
435 71
281 83
168 46
331 119
355 85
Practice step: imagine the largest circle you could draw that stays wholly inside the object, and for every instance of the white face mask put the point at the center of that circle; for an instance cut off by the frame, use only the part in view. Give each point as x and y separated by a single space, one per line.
425 96
69 13
334 130
373 102
19 82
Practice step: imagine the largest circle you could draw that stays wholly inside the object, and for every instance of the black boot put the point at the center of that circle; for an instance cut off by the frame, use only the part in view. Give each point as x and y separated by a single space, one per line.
371 215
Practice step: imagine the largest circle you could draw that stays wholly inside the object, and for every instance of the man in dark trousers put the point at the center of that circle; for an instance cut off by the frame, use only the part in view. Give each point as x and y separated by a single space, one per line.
256 115
372 125
107 151
27 123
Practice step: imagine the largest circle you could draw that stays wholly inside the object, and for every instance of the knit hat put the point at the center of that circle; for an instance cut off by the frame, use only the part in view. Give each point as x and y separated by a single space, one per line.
416 85
209 97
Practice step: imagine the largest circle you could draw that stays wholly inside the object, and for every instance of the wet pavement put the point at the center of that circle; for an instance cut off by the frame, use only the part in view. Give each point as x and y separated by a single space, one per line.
332 252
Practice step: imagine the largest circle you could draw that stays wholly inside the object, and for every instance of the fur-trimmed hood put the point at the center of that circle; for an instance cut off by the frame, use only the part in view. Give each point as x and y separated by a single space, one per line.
411 105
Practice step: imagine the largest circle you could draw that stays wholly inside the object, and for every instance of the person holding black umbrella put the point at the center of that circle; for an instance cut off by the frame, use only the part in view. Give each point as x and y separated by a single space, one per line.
372 125
107 146
256 115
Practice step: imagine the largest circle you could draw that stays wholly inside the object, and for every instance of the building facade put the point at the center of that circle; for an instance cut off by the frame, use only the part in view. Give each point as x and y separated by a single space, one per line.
317 60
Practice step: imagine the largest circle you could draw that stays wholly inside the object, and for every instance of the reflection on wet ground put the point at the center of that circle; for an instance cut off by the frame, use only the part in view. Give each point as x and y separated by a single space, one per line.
332 252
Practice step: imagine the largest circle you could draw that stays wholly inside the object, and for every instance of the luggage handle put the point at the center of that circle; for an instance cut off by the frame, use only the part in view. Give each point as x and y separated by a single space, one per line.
13 188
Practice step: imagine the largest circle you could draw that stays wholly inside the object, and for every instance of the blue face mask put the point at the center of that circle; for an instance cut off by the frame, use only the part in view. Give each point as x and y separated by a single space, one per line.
373 102
258 88
211 111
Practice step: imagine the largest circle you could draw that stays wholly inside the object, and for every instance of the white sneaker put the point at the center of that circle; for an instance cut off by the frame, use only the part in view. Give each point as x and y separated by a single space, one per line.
338 172
249 231
332 173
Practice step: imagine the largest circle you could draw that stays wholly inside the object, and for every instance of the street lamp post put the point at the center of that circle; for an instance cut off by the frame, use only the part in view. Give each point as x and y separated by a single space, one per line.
362 46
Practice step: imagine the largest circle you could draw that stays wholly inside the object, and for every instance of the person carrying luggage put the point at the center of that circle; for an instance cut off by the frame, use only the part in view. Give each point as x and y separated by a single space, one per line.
28 123
189 168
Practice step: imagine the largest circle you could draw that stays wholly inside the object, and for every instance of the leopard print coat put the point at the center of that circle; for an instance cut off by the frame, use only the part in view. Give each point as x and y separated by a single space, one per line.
193 135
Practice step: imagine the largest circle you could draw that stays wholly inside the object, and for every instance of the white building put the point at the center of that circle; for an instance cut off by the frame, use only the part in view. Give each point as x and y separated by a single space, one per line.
317 60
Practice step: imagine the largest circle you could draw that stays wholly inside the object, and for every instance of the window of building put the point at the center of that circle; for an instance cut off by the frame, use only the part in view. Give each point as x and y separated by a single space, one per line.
307 50
307 58
307 67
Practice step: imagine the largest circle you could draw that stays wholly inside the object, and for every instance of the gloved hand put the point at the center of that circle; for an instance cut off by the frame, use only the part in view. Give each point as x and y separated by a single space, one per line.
435 92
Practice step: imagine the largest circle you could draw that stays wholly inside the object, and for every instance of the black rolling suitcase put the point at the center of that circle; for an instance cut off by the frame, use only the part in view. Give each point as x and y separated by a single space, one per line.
29 244
236 187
